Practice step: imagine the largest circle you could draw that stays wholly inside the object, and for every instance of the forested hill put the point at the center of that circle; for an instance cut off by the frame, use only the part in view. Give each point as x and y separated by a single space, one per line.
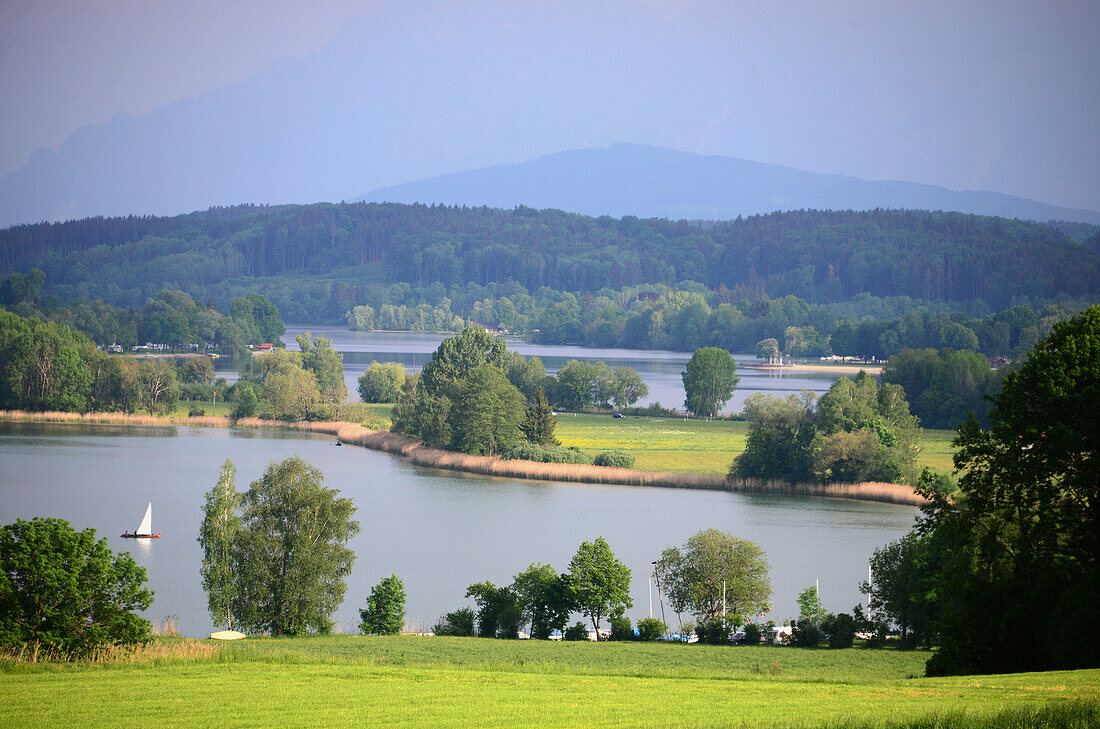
818 256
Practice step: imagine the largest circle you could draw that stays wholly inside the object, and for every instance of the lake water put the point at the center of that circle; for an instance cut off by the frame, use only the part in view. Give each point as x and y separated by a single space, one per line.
660 370
438 530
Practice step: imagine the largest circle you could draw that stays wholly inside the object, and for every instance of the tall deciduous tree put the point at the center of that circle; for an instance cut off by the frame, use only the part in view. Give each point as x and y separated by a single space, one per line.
629 387
599 581
292 554
457 356
217 536
65 589
901 584
713 571
157 388
1025 532
326 365
382 382
487 412
385 611
546 599
709 381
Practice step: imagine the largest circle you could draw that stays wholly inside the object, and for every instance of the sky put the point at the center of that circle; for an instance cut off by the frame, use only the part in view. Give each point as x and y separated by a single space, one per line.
1011 88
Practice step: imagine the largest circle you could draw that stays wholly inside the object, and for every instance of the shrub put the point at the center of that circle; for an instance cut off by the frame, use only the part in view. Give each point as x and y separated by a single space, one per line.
753 633
651 629
568 455
459 623
525 451
195 411
614 459
576 632
620 627
716 631
842 631
805 634
321 413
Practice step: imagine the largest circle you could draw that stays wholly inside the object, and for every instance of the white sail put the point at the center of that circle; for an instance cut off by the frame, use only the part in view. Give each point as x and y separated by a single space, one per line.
147 522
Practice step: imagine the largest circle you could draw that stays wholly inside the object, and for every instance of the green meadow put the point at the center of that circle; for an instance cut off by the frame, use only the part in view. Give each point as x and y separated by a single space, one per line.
471 682
670 444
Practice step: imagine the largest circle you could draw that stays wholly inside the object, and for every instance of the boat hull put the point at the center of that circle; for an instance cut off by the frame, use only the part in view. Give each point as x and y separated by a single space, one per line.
127 535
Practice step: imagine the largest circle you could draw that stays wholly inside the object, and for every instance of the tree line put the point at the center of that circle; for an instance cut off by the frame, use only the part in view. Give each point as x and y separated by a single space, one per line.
171 319
820 256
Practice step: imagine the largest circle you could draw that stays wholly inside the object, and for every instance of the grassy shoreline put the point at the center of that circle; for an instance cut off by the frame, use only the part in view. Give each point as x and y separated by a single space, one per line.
422 455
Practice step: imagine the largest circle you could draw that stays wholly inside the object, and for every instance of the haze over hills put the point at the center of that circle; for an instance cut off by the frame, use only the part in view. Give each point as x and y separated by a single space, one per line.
431 87
645 181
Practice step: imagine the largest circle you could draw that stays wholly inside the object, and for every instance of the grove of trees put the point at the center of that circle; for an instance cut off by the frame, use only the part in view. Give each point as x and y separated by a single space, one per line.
858 431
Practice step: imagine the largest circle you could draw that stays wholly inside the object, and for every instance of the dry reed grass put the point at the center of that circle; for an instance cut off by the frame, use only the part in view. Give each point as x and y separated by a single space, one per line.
136 653
115 419
422 455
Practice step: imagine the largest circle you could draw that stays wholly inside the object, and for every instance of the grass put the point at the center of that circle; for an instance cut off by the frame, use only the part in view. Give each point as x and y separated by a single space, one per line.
700 446
463 682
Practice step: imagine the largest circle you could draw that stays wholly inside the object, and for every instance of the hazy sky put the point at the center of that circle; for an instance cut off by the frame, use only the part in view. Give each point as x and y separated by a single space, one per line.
68 63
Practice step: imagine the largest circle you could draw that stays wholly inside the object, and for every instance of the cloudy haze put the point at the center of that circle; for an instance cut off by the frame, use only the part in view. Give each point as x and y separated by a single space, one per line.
968 95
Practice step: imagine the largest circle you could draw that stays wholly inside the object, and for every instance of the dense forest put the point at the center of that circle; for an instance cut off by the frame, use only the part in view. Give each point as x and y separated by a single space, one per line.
316 262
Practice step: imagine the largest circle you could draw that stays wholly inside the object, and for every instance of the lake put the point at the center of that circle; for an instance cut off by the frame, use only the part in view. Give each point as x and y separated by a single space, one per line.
659 369
438 530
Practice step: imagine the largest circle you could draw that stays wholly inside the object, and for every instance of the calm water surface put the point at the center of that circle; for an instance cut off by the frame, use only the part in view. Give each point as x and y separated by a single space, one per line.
659 369
438 530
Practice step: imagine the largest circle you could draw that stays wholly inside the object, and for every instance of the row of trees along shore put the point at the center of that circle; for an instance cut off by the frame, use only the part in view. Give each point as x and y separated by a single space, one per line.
990 577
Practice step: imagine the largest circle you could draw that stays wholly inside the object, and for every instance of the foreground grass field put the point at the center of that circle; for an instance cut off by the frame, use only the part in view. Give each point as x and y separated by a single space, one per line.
668 444
468 682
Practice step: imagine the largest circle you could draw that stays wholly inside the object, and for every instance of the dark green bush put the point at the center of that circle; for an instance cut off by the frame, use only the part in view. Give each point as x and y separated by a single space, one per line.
805 634
576 632
753 632
841 629
651 629
614 459
525 451
621 628
716 631
460 623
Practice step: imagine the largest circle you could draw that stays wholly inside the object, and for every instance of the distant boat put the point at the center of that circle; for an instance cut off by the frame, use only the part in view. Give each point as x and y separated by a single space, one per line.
145 529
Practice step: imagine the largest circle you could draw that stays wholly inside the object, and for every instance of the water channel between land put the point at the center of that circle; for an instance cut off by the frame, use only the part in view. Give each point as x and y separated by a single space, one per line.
440 531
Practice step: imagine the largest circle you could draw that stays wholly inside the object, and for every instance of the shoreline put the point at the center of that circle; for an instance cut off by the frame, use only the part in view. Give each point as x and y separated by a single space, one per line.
418 453
845 369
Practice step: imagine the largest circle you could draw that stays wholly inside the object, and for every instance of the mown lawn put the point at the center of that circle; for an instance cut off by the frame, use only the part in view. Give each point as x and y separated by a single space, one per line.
468 682
668 444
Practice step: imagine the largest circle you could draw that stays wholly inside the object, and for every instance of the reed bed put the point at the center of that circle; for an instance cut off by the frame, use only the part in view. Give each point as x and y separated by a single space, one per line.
135 653
422 455
198 421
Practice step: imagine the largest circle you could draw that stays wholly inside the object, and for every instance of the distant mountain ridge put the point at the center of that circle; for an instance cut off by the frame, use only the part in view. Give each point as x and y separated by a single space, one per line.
656 182
423 88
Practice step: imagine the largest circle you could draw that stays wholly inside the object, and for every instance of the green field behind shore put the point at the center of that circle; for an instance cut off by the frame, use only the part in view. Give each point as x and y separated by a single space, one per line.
470 682
664 444
709 446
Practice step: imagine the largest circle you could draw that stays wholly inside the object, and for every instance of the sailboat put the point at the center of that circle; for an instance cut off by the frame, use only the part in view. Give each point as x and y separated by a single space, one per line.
145 529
